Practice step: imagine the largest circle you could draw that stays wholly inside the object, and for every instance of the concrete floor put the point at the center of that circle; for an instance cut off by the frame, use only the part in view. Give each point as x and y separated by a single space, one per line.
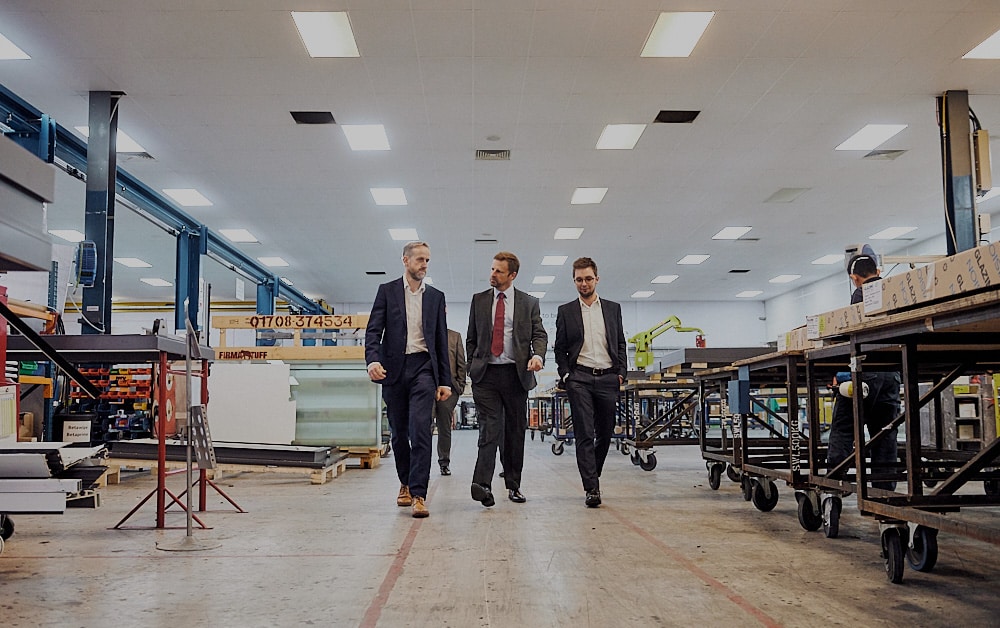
664 550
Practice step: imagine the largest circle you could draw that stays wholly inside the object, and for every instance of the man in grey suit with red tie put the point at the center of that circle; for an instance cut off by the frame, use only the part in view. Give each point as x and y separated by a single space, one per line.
505 346
406 348
590 356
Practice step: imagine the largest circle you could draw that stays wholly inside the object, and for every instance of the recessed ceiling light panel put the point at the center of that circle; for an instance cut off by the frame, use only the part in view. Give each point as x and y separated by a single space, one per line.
826 260
9 51
388 196
554 260
749 294
664 279
588 196
731 233
543 279
156 282
569 233
871 136
537 295
784 278
988 49
326 33
642 294
891 233
693 259
133 262
123 141
238 235
366 136
272 262
620 136
676 34
404 235
188 197
70 235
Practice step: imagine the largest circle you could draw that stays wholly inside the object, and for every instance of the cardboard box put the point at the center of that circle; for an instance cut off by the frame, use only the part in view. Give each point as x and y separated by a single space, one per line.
836 322
795 340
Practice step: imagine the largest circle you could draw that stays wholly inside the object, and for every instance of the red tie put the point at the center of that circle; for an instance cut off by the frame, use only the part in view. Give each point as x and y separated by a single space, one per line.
497 346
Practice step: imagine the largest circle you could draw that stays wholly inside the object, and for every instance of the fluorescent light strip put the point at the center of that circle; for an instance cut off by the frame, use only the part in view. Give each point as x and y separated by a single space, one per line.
404 235
676 34
693 259
70 235
272 262
664 279
286 281
543 279
554 260
388 196
537 295
871 136
784 278
749 294
891 233
620 136
238 235
366 136
988 49
156 282
326 33
642 294
123 141
826 260
989 195
133 262
9 51
731 233
568 233
588 196
188 197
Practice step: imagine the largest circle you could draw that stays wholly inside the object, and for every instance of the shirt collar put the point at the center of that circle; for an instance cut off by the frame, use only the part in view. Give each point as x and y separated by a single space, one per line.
506 293
597 301
406 286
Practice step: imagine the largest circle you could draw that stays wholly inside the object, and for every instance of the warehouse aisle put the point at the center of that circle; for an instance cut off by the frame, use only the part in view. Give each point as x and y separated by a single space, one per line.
665 550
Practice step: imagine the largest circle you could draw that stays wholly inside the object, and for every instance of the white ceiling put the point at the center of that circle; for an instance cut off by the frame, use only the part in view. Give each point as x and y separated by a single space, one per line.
779 83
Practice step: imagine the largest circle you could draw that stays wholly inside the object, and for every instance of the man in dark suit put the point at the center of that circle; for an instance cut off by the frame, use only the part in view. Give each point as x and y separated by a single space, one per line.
506 345
406 348
590 356
444 409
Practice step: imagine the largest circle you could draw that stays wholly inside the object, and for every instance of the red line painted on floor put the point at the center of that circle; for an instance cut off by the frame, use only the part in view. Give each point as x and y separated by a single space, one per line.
395 570
700 573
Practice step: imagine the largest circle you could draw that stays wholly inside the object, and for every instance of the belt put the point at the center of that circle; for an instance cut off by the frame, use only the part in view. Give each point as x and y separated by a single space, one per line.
592 371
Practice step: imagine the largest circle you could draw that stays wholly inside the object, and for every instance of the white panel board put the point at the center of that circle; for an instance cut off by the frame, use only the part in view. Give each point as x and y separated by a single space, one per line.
250 403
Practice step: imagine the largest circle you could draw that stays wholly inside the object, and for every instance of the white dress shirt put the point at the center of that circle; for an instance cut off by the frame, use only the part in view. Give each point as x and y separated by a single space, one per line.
594 353
507 357
415 341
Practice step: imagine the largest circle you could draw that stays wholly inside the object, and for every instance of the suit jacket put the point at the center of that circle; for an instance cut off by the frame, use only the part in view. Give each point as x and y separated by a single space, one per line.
385 336
456 354
569 336
529 337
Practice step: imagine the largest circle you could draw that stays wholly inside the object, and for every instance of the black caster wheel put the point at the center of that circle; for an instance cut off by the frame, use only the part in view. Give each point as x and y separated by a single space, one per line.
761 500
715 476
625 449
809 519
6 527
557 448
992 487
635 458
923 551
746 484
832 506
532 434
649 463
732 473
892 554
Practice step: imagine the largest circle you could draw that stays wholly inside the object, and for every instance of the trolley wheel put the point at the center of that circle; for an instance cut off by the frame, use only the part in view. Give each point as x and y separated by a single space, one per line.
892 554
732 473
548 431
923 551
557 448
832 506
532 434
760 499
1 546
809 519
624 449
747 485
992 487
649 463
6 527
635 458
715 476
541 436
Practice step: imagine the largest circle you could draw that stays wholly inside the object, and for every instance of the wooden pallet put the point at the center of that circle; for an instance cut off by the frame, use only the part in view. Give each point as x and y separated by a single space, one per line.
316 475
367 457
112 475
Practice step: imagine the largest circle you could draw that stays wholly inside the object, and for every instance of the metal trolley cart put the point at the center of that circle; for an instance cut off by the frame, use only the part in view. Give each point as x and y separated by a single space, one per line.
562 422
540 415
666 412
931 346
757 443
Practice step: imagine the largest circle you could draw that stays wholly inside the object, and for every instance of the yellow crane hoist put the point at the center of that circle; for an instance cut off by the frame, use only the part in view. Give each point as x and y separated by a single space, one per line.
643 340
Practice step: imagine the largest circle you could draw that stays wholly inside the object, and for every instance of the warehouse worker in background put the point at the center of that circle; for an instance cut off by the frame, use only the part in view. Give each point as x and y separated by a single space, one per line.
506 346
406 348
445 408
880 393
590 355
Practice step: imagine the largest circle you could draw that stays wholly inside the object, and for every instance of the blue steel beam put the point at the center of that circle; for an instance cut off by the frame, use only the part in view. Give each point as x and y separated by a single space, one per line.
26 121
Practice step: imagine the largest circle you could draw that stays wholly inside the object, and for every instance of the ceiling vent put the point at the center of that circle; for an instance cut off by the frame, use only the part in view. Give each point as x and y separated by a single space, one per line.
312 117
374 272
492 155
883 155
739 271
486 241
676 117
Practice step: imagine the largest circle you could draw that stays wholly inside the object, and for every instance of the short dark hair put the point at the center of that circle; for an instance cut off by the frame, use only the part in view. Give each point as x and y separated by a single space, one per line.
513 264
409 246
862 266
584 262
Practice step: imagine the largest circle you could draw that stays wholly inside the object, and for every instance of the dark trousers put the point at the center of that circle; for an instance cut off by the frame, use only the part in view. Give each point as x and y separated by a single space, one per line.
592 402
502 408
442 417
409 404
880 407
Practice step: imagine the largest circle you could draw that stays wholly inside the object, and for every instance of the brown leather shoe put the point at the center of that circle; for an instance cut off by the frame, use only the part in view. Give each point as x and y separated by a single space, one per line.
404 498
419 509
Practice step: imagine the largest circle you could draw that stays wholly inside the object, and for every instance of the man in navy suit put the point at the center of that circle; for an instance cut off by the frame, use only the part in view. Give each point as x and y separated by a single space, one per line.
505 346
590 356
406 348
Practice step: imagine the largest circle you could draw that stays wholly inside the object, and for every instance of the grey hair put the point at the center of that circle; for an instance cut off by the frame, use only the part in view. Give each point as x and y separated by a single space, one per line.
409 246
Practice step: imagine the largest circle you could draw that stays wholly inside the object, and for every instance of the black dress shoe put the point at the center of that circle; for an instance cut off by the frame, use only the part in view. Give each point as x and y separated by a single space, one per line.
593 498
515 496
445 470
483 495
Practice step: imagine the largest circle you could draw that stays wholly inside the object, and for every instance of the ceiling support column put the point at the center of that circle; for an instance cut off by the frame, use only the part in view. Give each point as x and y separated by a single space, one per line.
191 245
956 160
